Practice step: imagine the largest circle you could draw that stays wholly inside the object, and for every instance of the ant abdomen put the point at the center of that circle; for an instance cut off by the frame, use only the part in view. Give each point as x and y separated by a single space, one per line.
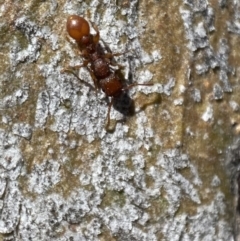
77 27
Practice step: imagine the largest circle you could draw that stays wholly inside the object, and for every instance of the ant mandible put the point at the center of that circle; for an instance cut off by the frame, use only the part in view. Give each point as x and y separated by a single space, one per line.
104 77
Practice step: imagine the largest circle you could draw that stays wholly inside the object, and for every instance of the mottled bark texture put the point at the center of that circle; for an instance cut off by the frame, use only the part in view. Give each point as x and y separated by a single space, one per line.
169 168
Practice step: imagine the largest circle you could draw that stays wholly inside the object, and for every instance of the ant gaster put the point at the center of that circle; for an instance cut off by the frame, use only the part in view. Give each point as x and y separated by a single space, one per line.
104 77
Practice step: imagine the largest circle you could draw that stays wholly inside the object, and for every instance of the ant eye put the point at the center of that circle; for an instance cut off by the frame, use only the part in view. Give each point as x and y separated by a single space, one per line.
77 27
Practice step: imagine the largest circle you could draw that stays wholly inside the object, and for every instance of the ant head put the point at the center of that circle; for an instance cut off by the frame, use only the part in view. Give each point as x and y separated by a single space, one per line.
77 27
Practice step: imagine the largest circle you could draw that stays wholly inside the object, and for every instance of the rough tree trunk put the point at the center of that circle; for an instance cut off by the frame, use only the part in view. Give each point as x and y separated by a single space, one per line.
167 170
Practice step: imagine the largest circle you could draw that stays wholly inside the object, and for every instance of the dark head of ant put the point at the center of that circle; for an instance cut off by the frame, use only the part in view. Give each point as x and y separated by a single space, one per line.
78 28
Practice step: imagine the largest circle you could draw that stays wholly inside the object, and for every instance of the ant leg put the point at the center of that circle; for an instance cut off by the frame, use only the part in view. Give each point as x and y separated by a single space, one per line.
95 81
84 54
114 63
81 80
69 40
73 45
109 109
84 64
111 55
96 37
69 69
135 84
120 66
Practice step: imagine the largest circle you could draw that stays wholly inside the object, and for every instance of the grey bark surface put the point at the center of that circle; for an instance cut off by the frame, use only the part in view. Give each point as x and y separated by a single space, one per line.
168 170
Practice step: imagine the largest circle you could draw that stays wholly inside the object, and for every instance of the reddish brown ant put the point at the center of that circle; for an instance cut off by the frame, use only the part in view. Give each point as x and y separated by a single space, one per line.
103 76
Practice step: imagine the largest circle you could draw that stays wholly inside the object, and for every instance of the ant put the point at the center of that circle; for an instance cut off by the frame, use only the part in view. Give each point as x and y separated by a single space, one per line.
104 77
